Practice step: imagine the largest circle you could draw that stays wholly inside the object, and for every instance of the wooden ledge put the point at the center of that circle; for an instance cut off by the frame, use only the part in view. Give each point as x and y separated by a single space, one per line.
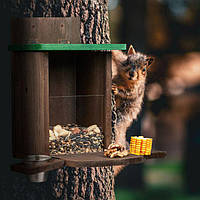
34 167
156 154
98 160
82 160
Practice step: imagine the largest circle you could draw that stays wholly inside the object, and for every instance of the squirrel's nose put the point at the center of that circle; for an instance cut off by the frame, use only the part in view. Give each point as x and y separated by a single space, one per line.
131 73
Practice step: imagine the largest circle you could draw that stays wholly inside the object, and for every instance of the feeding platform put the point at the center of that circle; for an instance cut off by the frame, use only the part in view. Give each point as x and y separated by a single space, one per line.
83 160
57 80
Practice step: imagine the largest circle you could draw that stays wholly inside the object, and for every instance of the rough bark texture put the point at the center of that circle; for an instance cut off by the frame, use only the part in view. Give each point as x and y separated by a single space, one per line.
93 15
69 183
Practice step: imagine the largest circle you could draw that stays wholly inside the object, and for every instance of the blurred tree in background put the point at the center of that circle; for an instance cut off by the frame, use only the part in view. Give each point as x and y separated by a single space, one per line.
169 30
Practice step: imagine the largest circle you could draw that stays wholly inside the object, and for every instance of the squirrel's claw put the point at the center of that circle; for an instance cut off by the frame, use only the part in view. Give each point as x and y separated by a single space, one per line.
115 89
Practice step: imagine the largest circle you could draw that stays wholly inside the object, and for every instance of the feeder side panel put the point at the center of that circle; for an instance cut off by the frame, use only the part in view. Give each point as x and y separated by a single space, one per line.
30 104
54 30
107 99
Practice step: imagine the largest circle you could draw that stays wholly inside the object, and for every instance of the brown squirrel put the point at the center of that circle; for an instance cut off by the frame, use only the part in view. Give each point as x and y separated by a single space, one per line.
128 84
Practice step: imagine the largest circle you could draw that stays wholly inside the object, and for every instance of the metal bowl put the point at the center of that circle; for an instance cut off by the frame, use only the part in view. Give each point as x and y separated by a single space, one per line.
36 158
41 176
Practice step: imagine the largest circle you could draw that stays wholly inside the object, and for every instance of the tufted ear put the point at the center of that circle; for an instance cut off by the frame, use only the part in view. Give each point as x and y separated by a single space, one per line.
149 61
131 50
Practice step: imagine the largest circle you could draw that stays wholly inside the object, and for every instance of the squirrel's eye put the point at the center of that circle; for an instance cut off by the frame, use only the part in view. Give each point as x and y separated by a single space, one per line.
144 70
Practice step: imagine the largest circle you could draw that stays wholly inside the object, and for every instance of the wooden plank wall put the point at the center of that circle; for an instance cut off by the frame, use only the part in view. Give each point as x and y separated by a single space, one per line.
62 81
52 30
80 89
89 82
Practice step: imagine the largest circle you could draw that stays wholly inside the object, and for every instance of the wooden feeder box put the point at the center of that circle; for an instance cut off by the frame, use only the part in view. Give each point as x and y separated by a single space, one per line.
56 80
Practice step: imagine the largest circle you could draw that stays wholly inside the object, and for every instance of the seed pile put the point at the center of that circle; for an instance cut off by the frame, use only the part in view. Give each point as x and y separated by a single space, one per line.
75 139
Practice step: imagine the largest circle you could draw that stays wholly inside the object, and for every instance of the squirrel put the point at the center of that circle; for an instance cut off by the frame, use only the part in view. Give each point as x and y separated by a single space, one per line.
129 73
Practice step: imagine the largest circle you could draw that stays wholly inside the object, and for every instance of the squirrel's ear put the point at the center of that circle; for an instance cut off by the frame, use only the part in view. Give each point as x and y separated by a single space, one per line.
131 50
149 61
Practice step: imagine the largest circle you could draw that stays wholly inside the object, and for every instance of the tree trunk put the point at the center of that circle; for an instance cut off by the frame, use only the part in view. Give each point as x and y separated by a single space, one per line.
70 183
93 15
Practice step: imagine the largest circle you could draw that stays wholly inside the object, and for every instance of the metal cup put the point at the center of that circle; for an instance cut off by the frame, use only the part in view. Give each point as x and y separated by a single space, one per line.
35 159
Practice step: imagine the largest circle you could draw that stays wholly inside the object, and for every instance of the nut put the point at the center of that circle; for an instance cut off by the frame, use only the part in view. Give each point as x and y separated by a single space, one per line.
91 128
115 150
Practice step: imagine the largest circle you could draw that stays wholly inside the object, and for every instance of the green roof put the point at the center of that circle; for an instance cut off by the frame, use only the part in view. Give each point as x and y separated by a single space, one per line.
66 47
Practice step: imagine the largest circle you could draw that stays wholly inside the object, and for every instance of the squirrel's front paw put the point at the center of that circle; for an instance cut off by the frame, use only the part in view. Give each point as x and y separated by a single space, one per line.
115 89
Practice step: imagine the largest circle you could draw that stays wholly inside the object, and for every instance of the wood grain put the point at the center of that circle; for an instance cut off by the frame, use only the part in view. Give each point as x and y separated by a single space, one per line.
94 80
90 73
89 111
107 128
89 88
54 30
62 83
30 103
34 167
62 110
62 74
156 154
96 159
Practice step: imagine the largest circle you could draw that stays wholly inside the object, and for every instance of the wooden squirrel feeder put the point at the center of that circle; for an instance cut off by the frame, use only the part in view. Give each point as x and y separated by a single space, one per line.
57 80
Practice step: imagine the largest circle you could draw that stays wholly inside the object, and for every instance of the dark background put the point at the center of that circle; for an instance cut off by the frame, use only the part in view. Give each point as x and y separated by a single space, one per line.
168 30
5 147
5 93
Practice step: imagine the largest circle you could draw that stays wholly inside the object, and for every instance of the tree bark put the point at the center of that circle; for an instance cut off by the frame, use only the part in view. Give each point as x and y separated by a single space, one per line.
93 14
69 183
